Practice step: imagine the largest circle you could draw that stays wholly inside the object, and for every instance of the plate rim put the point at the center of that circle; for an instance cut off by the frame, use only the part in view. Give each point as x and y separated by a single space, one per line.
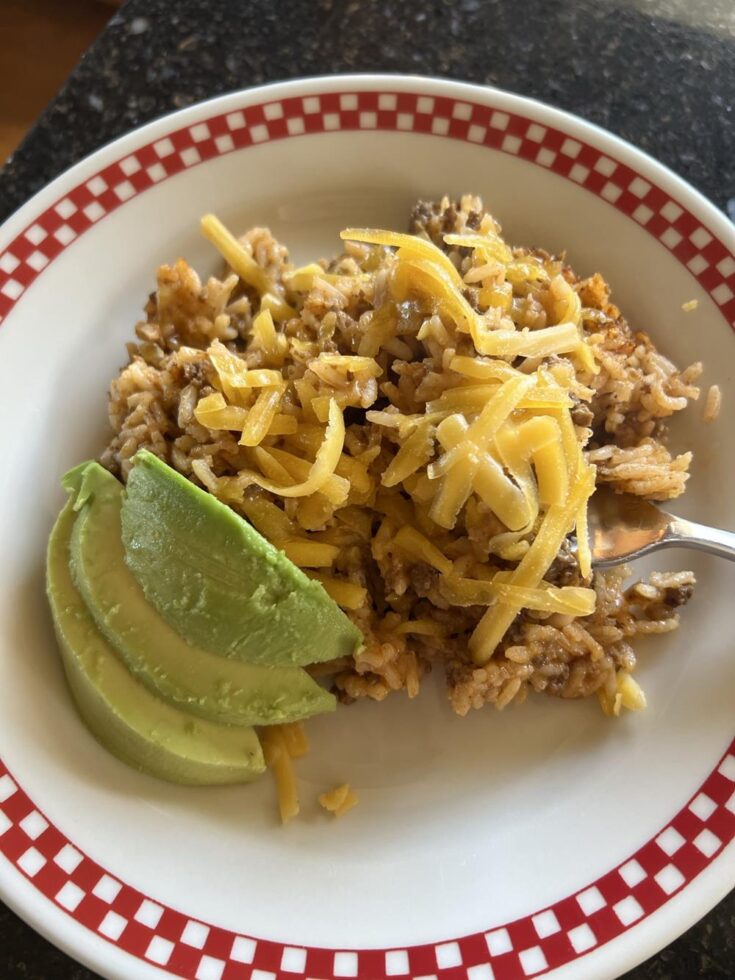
718 876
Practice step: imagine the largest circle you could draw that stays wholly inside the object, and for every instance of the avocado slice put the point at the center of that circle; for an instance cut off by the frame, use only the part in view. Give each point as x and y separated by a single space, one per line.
133 724
199 682
218 582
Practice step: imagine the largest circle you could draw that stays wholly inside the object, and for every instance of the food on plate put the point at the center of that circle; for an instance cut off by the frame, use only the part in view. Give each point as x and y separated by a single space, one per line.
339 800
202 683
133 724
218 581
281 745
418 529
156 702
379 465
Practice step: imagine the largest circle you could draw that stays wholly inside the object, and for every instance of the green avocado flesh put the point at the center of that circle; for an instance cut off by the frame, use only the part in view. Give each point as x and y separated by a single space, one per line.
218 582
201 683
125 716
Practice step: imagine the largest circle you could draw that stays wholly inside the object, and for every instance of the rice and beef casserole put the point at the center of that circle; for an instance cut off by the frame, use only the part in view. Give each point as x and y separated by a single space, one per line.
235 382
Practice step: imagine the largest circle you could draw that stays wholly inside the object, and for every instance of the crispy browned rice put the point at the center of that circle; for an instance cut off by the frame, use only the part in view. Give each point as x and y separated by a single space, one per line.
152 404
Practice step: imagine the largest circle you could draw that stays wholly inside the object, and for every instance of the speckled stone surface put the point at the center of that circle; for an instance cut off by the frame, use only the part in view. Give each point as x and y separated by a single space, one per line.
660 73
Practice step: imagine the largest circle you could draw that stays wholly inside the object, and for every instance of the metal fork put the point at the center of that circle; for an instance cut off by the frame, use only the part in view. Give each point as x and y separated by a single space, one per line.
623 527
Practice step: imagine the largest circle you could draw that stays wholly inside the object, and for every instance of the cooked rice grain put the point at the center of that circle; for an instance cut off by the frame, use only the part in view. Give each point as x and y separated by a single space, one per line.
712 404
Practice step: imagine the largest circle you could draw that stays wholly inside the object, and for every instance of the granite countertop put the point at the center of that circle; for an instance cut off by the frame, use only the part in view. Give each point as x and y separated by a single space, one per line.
660 73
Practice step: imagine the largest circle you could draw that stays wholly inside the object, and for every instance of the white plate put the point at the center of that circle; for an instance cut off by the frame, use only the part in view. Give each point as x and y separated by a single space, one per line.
546 839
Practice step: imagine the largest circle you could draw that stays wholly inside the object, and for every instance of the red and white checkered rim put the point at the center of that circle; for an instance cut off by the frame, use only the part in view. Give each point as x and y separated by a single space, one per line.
526 947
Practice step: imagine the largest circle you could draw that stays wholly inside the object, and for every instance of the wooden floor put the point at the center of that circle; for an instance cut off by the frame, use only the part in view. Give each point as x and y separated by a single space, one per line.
40 42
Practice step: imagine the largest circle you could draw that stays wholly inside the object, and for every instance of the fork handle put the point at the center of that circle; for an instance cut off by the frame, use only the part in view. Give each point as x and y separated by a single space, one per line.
688 534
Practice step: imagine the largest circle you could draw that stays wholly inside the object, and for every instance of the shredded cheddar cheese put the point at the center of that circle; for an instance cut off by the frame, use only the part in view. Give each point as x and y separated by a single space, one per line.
310 554
280 761
555 526
414 543
261 416
497 433
321 469
627 694
338 800
294 737
345 594
410 245
242 262
567 600
265 338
